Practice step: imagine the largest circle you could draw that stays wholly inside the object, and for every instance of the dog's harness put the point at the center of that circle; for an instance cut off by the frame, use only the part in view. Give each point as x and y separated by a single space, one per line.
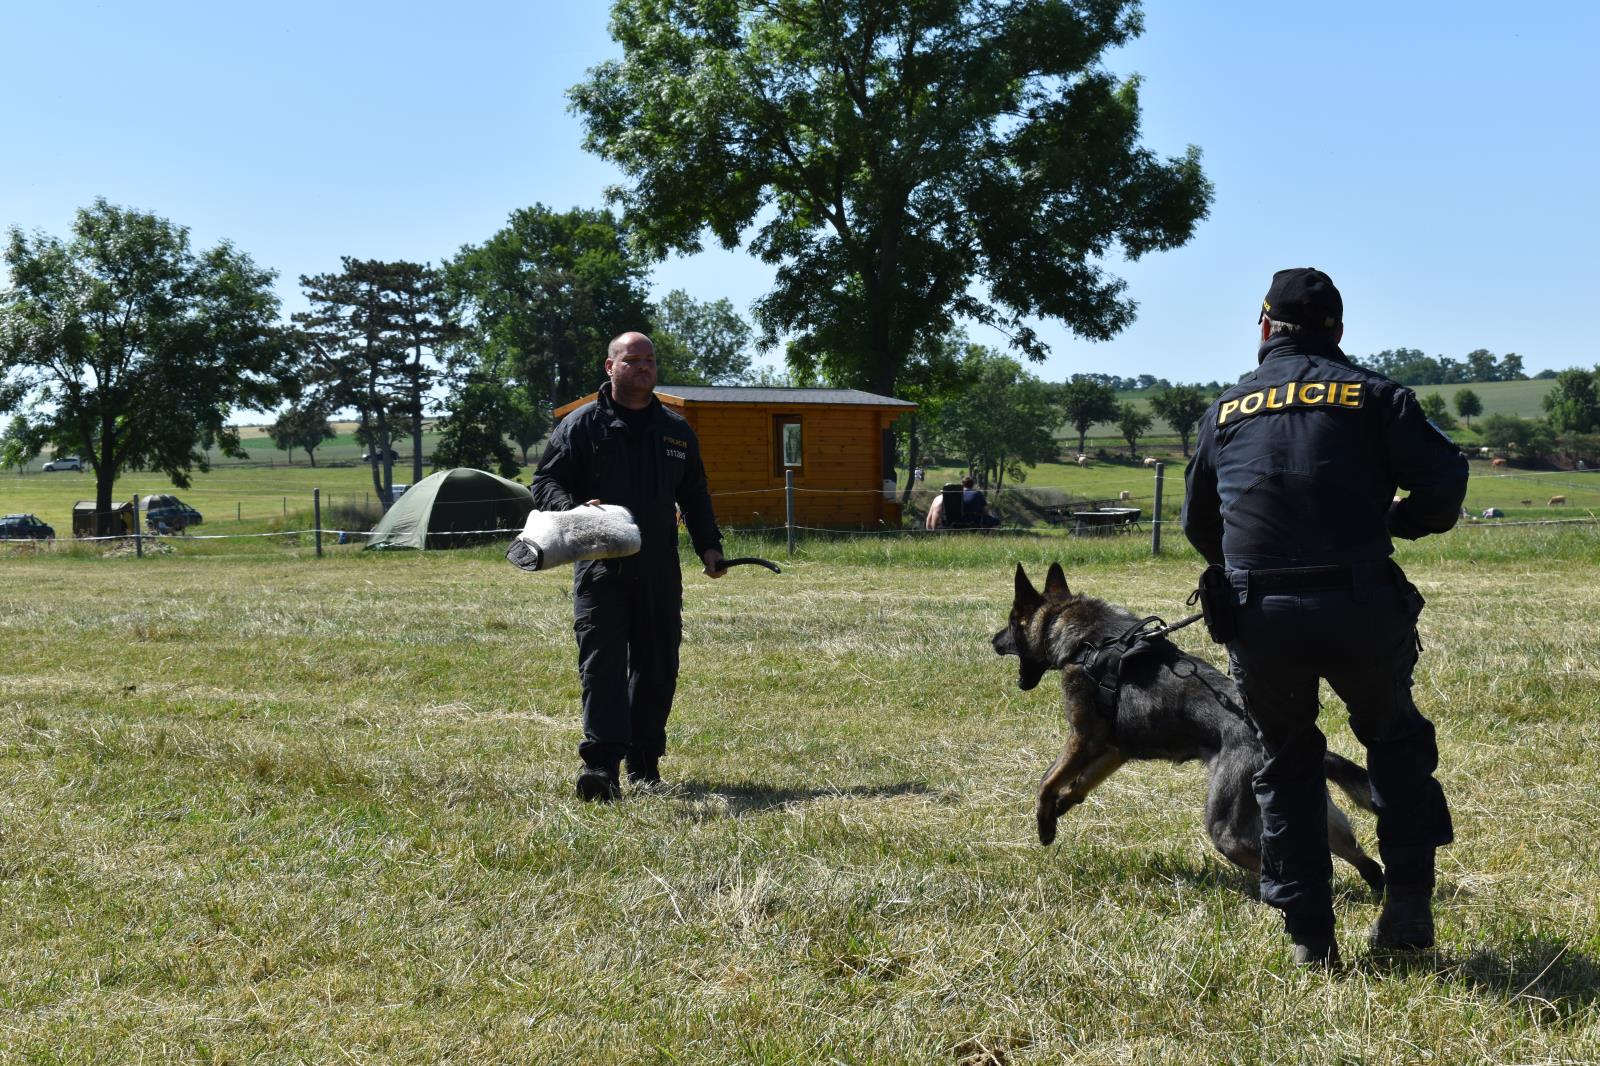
1103 663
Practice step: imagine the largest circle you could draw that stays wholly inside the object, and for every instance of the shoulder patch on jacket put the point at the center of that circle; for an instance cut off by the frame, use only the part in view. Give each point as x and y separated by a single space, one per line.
1345 394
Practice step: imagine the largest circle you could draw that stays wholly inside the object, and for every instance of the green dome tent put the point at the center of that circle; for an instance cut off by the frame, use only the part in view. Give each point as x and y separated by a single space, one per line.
452 508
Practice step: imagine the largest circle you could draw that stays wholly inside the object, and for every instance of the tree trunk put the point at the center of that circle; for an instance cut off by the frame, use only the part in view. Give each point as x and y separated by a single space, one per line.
913 454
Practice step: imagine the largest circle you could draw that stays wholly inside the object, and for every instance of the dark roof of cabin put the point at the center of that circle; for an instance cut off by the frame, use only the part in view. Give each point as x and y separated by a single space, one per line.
753 394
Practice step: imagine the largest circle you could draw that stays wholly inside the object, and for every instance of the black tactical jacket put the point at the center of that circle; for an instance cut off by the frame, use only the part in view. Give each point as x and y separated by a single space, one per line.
591 456
1298 463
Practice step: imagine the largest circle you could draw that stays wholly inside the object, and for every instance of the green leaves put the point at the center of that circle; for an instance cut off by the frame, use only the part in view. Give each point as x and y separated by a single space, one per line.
903 164
126 346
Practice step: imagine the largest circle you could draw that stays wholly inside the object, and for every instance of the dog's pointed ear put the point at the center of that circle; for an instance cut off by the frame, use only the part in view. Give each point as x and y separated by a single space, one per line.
1026 594
1055 582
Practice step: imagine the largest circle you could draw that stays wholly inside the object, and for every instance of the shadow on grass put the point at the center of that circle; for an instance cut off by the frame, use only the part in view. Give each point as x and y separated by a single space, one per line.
745 799
1557 982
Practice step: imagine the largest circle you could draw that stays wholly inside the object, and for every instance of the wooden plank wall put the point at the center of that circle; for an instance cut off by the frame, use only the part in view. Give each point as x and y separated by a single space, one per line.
842 448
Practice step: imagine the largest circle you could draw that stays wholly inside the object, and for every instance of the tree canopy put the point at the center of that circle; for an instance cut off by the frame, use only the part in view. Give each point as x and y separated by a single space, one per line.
700 343
1085 402
902 163
1181 407
303 426
542 298
1000 423
132 349
1574 403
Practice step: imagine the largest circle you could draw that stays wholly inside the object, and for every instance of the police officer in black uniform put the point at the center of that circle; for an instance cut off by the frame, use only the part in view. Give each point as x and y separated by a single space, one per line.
1291 488
626 448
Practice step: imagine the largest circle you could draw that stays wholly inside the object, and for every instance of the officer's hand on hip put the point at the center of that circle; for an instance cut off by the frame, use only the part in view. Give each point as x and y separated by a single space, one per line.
713 561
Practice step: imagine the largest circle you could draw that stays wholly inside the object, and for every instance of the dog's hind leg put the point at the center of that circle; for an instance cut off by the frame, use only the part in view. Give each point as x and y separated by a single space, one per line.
1233 818
1342 842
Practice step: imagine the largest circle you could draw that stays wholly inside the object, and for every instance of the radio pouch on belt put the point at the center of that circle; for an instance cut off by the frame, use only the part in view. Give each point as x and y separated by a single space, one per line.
1216 598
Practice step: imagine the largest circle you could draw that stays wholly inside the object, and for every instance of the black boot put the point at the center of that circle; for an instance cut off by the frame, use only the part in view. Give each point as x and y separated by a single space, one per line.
599 784
644 771
1314 952
1406 921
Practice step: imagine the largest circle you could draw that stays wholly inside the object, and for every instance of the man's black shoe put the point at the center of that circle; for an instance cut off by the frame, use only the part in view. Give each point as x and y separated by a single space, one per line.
644 772
598 785
1314 953
1406 921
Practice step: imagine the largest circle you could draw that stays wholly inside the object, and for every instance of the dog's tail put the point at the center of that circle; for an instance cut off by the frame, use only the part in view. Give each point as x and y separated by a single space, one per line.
1350 778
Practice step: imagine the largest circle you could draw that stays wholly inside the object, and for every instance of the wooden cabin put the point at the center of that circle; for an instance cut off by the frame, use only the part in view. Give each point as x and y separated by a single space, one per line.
833 440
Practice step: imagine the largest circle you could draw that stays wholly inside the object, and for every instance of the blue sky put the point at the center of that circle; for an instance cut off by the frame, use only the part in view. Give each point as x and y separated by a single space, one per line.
1439 160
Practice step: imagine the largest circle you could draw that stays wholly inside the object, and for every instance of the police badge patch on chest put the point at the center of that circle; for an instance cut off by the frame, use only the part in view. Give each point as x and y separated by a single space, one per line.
675 448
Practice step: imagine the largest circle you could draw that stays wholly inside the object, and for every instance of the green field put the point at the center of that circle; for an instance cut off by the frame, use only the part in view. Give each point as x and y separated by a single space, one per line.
261 807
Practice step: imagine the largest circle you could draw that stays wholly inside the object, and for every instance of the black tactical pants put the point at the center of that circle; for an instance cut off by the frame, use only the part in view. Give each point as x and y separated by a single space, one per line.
1363 641
628 618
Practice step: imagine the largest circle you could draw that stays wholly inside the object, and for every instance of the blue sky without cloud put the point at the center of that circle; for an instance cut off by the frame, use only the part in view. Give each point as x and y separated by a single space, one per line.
1438 159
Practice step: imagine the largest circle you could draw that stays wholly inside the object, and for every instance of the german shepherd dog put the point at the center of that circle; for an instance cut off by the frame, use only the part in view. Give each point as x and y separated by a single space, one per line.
1171 705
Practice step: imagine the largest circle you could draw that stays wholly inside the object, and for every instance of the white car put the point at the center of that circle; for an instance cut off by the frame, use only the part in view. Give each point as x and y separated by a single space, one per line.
65 462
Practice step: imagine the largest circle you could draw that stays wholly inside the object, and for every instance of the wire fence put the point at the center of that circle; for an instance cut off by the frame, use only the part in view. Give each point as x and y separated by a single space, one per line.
1017 511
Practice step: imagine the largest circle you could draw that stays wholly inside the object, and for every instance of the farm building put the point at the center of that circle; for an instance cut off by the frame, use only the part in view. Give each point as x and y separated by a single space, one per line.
833 440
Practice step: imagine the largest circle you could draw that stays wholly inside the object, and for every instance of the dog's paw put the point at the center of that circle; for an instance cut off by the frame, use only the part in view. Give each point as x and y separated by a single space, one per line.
1047 826
1067 801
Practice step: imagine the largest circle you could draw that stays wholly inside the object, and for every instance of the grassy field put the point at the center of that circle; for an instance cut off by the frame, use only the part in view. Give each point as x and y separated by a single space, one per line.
267 808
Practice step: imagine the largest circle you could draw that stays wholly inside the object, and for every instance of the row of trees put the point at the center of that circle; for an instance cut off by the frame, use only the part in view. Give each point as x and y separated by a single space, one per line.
1409 366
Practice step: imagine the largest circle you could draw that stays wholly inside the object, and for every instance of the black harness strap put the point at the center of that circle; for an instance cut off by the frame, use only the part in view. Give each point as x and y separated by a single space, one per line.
1103 662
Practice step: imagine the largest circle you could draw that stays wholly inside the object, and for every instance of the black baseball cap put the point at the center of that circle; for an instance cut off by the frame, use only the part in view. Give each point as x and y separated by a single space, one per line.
1304 296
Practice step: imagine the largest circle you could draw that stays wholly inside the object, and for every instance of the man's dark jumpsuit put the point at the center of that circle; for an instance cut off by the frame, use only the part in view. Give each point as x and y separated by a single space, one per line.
628 613
1291 488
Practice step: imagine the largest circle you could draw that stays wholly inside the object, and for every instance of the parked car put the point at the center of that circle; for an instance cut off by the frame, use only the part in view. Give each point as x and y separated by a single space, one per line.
166 513
25 527
375 453
396 491
64 462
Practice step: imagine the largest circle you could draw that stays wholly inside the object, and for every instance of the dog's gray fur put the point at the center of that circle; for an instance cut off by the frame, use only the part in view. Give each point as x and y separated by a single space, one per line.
1171 706
556 538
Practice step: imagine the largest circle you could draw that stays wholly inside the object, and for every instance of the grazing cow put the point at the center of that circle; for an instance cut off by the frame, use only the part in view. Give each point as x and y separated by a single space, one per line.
1083 460
1149 461
1126 495
1527 503
1485 452
1556 501
1497 462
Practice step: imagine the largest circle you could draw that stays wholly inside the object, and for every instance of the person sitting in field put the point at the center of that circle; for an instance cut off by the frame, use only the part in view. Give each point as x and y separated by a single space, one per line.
962 506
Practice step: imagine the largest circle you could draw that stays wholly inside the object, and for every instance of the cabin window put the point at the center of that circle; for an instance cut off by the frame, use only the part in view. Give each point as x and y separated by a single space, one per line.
787 452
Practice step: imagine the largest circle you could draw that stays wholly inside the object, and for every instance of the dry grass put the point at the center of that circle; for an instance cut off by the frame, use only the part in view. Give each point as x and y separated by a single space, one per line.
265 808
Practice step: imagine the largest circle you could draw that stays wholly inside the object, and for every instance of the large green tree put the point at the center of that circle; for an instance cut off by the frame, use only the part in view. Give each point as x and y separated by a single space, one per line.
700 343
303 426
357 353
474 431
901 163
1574 402
1133 422
132 349
1084 402
1468 405
542 298
1180 407
1001 423
424 328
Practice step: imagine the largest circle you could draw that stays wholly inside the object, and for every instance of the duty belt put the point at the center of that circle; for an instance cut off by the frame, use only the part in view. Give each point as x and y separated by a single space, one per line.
1301 579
